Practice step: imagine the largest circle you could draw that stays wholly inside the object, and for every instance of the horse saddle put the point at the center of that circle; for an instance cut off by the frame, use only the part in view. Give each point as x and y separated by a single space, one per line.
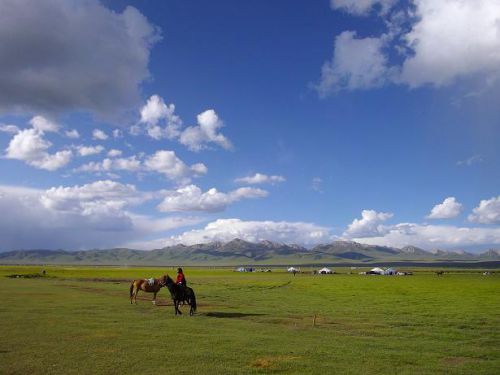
151 281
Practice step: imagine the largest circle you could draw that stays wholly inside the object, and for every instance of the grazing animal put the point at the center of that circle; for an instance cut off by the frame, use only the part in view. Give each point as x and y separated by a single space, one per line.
180 294
146 286
439 273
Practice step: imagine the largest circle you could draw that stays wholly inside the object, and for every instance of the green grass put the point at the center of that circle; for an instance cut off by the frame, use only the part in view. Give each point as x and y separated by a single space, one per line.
79 321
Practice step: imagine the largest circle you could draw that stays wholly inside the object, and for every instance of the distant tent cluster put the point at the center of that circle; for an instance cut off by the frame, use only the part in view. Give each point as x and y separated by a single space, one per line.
388 271
244 269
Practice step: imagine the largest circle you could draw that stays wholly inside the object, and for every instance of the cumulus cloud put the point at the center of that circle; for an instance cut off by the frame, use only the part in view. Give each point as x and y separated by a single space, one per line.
357 63
98 134
78 217
9 129
73 133
361 7
130 164
452 39
434 236
197 138
114 153
260 178
89 150
29 146
163 162
168 164
43 124
488 212
449 209
370 224
306 234
437 42
156 113
72 55
192 198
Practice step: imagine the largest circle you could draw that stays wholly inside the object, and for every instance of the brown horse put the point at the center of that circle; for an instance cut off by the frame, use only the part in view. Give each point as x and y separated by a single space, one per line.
146 286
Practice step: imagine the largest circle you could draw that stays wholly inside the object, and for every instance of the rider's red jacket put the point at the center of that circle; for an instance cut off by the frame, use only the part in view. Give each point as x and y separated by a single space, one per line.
180 279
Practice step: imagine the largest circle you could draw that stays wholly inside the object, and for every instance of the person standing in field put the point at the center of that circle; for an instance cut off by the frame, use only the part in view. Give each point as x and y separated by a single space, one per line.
181 279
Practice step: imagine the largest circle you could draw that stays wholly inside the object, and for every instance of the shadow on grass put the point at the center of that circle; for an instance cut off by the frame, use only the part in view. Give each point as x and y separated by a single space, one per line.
219 314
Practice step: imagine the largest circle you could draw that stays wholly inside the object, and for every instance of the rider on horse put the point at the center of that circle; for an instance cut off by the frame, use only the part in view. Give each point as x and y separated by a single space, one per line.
181 279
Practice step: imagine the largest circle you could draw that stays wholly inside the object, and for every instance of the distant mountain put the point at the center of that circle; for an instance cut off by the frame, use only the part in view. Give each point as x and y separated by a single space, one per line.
239 251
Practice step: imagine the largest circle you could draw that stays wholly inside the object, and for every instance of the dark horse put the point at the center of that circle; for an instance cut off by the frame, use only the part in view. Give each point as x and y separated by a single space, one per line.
180 293
146 286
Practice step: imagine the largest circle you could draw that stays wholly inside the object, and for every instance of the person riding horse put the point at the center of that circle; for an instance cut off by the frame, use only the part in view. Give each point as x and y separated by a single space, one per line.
181 279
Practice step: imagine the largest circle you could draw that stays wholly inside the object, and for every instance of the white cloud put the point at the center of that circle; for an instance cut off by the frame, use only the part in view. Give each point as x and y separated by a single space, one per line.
117 133
89 150
306 234
99 135
357 63
434 236
449 209
154 113
130 164
103 197
260 178
58 55
197 138
488 212
168 164
438 43
78 217
453 39
114 153
29 146
42 124
470 161
192 198
73 133
361 7
370 224
163 162
10 129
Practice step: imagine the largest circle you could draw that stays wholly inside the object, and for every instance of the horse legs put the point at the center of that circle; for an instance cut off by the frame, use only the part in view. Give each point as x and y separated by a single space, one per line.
154 298
133 294
136 292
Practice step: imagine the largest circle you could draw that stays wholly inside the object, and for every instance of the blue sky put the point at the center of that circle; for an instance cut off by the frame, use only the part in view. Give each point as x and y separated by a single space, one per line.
294 121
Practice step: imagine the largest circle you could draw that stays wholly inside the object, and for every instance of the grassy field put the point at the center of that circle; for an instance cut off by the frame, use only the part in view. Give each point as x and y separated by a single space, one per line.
80 321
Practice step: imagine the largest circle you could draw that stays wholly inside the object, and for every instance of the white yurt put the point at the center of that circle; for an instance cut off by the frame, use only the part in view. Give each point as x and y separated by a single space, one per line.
325 271
377 271
293 269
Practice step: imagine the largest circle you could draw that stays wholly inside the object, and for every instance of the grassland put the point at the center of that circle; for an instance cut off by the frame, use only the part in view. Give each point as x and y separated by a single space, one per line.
79 321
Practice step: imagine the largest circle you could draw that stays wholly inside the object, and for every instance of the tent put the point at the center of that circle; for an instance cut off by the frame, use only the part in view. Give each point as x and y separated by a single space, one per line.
240 269
390 271
376 271
293 269
325 271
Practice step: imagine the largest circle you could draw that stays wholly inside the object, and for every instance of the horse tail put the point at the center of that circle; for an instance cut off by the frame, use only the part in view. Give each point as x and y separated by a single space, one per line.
193 301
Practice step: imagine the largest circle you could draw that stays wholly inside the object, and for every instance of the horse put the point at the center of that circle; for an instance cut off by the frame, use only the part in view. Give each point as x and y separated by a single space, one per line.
439 273
144 285
180 293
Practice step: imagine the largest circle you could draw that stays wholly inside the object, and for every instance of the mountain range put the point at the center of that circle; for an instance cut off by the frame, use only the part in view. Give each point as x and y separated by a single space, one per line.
238 252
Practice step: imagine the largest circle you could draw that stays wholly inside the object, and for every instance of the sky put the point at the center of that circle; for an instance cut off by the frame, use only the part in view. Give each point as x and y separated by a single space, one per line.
147 124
